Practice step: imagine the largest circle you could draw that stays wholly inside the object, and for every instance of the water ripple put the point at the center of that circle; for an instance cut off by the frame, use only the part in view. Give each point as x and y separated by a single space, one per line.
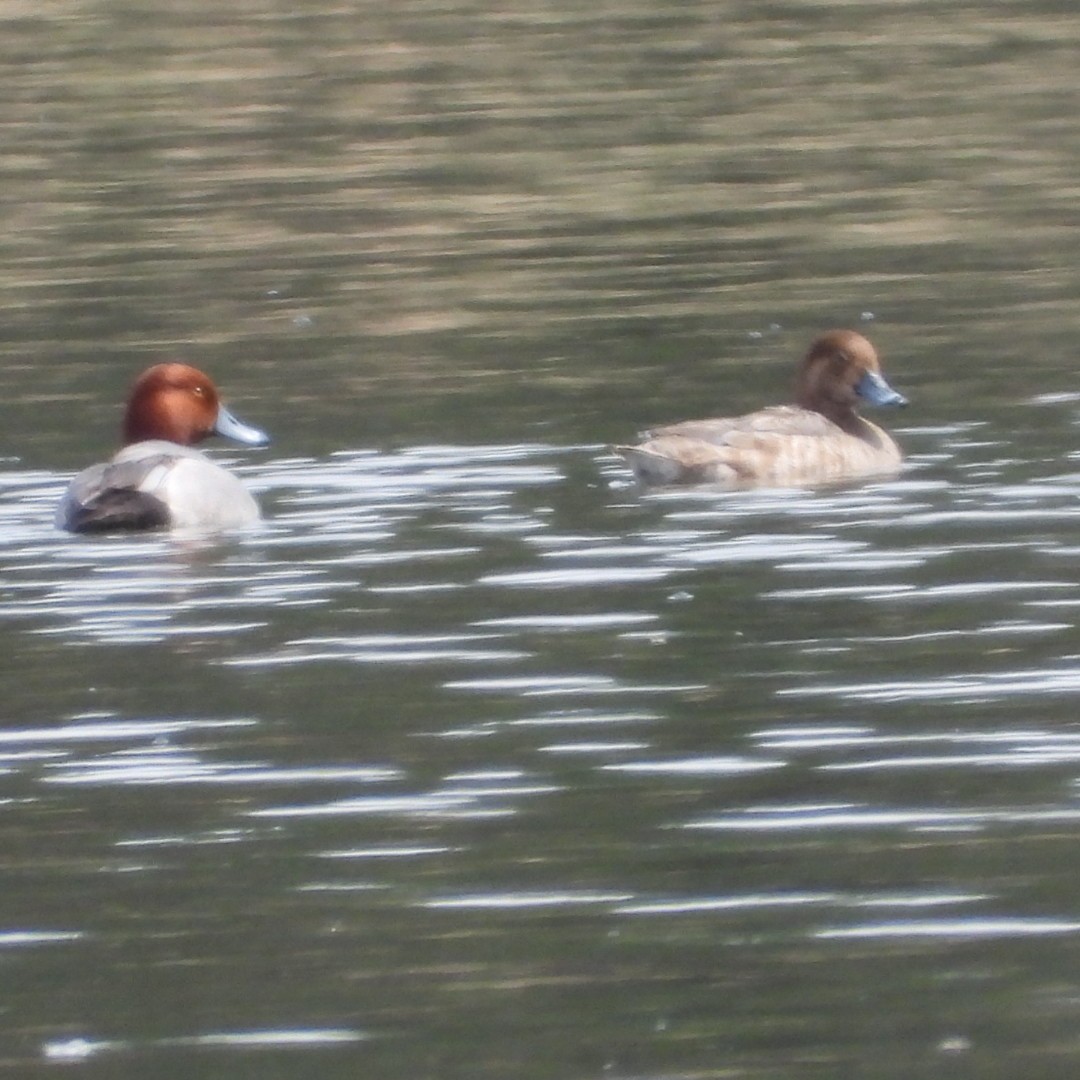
960 929
833 817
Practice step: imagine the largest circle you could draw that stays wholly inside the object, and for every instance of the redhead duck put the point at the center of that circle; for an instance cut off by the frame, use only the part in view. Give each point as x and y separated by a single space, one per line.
820 439
158 479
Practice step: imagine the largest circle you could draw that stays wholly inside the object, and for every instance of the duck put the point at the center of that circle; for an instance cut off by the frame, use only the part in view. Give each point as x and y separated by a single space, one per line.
158 479
821 439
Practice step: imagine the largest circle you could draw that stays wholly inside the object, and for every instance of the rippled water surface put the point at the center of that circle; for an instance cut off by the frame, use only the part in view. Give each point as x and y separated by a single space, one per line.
475 760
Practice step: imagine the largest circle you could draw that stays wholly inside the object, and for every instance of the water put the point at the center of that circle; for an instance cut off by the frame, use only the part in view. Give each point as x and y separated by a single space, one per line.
476 760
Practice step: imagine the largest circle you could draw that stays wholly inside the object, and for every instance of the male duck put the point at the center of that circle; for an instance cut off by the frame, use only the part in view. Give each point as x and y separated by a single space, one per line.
818 440
157 479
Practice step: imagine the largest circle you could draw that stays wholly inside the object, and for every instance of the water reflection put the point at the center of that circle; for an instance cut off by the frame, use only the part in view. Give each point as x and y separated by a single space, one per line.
476 760
468 695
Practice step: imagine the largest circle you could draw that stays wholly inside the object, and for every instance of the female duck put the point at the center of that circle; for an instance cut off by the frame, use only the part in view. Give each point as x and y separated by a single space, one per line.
158 479
820 439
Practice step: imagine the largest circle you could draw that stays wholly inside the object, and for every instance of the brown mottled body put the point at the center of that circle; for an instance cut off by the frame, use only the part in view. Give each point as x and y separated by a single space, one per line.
821 439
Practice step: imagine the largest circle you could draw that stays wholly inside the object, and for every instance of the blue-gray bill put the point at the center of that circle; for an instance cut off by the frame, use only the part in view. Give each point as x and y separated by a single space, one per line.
874 390
229 427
